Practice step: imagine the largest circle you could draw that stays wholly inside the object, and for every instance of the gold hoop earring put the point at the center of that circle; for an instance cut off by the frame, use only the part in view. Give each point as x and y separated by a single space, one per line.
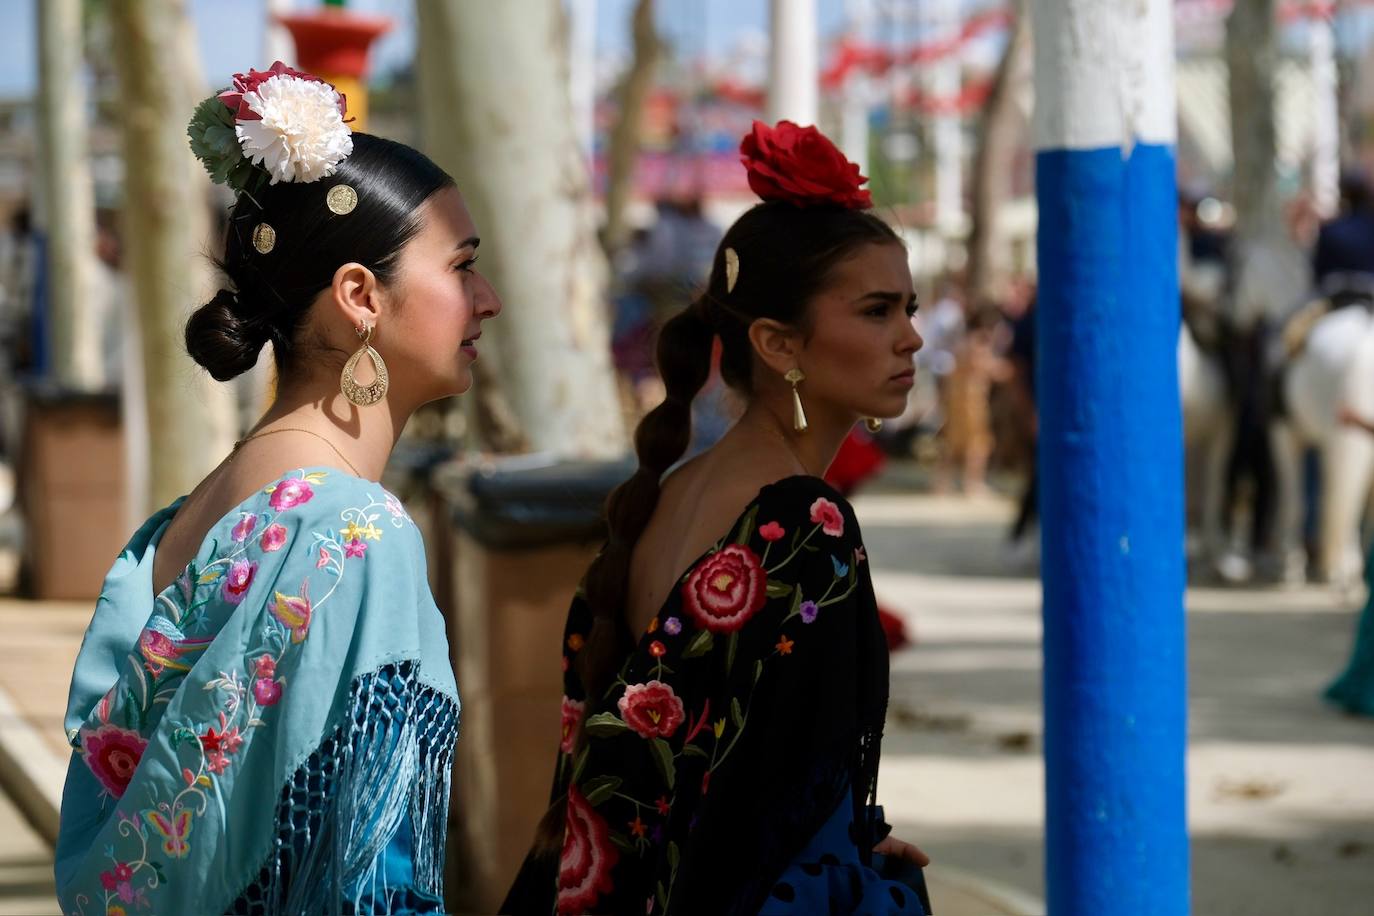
364 395
874 424
796 377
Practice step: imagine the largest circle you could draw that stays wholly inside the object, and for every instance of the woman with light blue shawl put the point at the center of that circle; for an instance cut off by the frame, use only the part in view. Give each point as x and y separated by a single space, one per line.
263 712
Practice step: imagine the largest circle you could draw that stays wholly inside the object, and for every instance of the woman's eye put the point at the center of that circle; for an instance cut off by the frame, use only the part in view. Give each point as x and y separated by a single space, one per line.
466 266
911 310
877 311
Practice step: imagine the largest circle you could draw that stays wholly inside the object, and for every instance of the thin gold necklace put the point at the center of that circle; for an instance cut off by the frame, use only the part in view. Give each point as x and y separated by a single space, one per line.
294 429
788 445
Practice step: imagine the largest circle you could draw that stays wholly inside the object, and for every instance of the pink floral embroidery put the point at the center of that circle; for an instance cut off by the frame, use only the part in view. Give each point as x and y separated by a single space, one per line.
772 532
355 548
572 716
726 589
652 710
588 857
267 692
112 755
290 493
274 538
265 666
244 529
828 516
238 580
323 561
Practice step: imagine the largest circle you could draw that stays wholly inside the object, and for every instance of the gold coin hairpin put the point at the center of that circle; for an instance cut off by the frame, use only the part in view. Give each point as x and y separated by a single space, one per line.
341 199
264 238
731 269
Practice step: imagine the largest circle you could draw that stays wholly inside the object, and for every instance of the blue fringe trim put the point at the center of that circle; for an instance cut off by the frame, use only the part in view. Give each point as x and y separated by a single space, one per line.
390 758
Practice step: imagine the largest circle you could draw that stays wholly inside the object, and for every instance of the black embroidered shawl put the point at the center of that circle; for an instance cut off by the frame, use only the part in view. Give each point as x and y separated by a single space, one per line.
754 701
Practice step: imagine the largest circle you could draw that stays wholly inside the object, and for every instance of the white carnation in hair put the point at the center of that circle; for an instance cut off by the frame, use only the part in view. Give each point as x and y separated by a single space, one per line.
301 135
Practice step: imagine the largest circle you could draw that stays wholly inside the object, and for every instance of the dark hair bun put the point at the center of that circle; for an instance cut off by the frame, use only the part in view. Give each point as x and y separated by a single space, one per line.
221 339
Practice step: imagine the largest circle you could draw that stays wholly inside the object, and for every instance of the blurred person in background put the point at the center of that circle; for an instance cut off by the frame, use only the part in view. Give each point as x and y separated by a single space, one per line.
967 433
262 714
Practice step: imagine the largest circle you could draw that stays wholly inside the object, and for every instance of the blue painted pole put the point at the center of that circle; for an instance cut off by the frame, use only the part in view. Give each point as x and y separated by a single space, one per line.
1111 466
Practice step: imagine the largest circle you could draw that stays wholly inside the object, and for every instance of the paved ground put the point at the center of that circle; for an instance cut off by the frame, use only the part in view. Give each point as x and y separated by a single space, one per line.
1281 792
1282 788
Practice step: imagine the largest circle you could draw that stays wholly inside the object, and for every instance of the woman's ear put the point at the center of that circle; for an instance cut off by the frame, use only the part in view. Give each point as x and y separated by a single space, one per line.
357 295
776 344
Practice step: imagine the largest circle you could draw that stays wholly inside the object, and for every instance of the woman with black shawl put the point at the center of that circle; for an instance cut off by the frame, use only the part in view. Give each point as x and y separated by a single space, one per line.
726 674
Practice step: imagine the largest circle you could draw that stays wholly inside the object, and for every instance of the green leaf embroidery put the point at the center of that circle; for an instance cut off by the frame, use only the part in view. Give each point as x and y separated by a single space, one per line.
735 715
691 750
662 896
663 756
599 789
746 527
730 653
673 855
758 670
579 765
622 842
604 724
701 643
778 589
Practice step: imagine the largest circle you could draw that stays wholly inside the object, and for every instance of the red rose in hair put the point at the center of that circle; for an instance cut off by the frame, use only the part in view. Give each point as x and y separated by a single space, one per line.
245 83
801 166
726 589
584 868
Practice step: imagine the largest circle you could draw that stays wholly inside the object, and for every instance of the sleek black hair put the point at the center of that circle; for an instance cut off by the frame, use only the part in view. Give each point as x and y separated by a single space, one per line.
268 294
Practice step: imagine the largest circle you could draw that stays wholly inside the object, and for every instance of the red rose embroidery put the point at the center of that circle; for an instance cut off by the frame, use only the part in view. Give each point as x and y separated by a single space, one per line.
828 516
584 868
652 710
572 716
249 82
772 532
726 589
112 755
801 166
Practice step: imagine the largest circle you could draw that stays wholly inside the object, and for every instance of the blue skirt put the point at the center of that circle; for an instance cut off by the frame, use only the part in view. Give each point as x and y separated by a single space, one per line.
828 877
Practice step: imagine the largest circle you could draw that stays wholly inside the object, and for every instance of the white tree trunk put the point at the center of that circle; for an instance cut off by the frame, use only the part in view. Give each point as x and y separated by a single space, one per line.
191 418
793 74
1326 130
1270 273
67 199
988 263
497 115
623 149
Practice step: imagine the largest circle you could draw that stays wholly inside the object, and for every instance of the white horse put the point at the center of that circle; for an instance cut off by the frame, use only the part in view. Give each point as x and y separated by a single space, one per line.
1332 368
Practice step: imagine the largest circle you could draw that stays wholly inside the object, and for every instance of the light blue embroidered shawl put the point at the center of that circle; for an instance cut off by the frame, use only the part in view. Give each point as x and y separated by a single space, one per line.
262 732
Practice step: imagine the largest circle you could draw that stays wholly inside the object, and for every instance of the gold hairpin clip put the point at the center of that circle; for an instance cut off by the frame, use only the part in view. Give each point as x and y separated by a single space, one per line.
341 199
264 238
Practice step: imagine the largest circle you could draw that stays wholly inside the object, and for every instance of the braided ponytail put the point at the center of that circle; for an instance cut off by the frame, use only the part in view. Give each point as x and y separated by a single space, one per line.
684 362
